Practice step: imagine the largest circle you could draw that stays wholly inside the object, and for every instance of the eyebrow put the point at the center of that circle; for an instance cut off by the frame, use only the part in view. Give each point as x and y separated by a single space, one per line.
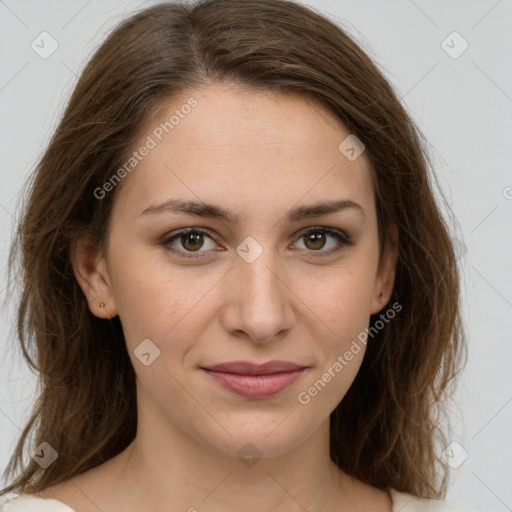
209 210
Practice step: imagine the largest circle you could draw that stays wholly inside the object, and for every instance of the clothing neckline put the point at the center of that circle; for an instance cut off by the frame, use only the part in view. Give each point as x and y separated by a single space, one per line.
399 500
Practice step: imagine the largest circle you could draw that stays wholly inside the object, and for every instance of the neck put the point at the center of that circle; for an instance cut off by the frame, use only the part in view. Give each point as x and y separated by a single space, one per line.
195 476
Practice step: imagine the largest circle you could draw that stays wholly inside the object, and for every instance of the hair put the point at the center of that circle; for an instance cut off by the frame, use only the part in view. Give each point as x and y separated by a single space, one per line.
384 431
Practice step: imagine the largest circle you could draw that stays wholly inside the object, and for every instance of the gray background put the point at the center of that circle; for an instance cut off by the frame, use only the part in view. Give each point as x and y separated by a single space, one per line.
463 105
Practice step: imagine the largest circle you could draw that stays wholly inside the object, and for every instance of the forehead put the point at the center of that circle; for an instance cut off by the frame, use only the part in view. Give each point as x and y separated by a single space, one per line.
246 147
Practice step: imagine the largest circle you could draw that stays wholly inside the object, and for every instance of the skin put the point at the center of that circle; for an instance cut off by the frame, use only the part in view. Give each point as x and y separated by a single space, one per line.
260 155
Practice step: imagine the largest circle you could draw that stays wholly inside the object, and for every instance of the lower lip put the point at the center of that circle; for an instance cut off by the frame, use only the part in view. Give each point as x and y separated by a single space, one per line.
256 386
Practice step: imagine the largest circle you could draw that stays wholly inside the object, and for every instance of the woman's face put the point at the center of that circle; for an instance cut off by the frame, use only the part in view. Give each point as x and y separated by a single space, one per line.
270 283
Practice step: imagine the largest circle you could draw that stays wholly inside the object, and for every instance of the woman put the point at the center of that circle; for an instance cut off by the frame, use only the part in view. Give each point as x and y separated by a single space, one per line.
237 284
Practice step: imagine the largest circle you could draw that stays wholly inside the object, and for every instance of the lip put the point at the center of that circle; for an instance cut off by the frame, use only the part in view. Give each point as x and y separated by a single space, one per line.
255 381
248 368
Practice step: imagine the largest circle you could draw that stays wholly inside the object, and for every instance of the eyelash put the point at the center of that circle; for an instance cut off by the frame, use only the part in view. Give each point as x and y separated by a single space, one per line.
338 235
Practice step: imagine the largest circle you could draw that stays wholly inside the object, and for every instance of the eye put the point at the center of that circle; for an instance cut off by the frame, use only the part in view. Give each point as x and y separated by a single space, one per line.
192 240
314 239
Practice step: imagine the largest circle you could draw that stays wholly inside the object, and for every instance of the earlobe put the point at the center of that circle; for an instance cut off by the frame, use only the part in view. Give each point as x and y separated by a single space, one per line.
385 278
90 269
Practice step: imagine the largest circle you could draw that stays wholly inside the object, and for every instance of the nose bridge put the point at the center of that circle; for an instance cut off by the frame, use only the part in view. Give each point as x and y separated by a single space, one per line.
260 304
258 271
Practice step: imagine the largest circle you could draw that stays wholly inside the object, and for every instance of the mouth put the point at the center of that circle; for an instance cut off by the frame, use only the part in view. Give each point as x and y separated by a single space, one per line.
255 380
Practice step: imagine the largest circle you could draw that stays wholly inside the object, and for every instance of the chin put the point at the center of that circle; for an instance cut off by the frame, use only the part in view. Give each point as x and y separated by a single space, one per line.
258 439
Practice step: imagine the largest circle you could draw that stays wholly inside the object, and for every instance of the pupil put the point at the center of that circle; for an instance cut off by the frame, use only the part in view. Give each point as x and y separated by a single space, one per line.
194 237
315 238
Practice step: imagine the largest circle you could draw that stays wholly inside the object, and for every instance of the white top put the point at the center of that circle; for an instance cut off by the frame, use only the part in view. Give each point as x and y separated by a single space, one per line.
402 502
26 503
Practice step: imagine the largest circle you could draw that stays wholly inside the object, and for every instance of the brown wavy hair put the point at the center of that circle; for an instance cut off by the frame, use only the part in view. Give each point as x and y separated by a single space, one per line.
384 431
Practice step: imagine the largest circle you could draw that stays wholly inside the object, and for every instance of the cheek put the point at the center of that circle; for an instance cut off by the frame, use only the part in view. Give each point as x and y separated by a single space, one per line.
154 300
340 300
341 310
339 349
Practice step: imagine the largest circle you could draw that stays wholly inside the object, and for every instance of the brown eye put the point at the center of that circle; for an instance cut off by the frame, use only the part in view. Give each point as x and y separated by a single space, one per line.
191 240
316 239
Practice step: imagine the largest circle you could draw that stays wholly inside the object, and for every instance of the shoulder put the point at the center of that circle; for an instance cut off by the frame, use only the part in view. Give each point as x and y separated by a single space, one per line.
27 503
405 502
71 495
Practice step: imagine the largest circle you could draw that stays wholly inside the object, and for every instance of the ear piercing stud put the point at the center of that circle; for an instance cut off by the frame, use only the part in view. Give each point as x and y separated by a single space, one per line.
102 304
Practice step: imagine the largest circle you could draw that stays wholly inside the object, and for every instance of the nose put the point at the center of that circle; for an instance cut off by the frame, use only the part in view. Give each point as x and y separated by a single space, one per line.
259 300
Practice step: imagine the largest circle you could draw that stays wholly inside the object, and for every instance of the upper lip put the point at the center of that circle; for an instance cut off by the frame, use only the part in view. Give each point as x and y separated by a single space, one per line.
247 368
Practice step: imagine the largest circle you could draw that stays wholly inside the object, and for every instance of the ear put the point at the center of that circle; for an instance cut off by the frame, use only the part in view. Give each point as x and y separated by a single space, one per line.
385 278
90 269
